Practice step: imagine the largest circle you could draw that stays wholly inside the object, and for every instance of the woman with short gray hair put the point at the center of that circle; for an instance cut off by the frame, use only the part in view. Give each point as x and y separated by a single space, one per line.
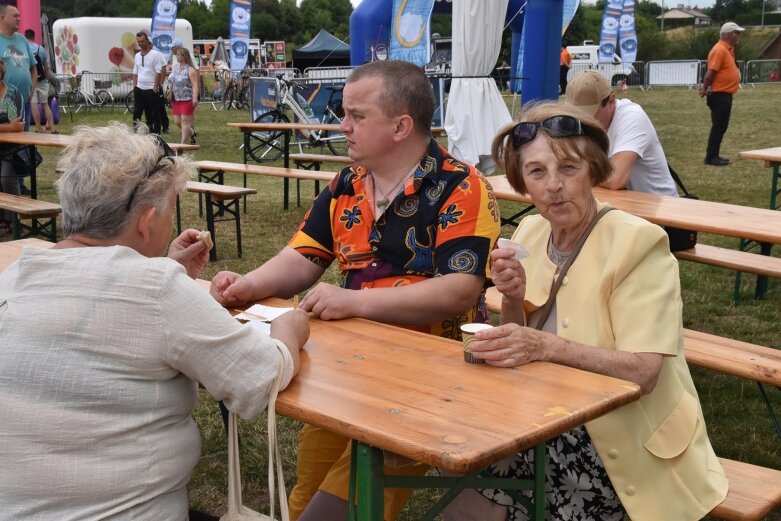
104 340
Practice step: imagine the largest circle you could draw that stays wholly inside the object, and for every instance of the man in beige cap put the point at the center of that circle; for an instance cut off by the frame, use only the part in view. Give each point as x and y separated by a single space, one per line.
637 156
721 81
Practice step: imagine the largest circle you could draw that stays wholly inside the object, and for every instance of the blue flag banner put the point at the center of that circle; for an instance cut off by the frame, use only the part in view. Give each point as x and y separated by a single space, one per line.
627 36
163 24
410 37
240 15
609 35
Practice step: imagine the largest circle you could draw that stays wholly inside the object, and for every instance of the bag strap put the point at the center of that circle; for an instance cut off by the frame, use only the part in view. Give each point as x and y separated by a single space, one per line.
274 456
677 179
575 251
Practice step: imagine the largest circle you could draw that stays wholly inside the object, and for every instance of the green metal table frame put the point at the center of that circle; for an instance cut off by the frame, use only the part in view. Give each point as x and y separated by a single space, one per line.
764 247
367 482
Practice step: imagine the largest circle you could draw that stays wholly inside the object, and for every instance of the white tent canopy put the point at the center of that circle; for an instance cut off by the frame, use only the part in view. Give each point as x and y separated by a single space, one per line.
475 109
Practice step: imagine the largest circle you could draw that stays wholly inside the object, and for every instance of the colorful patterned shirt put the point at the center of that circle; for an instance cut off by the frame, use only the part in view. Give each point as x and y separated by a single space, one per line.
445 221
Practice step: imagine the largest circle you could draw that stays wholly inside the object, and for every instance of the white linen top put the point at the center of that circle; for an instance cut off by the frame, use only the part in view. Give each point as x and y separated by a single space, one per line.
631 130
100 349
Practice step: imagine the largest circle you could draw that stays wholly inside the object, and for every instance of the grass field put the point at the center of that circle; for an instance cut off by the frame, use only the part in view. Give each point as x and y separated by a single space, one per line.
737 421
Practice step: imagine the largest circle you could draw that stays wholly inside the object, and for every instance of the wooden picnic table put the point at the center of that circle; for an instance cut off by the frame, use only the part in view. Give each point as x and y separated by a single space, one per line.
772 159
11 142
731 220
411 393
10 250
287 129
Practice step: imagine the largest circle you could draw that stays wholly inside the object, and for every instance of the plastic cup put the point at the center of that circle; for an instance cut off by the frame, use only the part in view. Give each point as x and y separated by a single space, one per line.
468 335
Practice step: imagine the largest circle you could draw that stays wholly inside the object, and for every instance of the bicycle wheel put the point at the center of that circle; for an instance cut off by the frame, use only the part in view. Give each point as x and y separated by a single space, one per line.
243 101
130 101
334 139
73 100
104 101
268 145
227 97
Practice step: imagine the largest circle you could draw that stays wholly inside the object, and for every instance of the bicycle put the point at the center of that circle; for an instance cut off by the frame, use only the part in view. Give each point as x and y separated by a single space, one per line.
269 145
78 96
236 92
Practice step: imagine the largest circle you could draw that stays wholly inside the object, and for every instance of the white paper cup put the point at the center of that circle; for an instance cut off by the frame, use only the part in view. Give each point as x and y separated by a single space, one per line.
468 335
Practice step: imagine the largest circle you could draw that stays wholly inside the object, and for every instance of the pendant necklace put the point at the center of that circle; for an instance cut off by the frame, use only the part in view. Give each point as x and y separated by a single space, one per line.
383 203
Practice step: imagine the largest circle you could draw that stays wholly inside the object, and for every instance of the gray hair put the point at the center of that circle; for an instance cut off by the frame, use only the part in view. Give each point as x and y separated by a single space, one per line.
101 169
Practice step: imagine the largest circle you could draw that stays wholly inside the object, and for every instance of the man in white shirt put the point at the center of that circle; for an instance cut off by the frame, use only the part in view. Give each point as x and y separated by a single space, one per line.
637 156
147 77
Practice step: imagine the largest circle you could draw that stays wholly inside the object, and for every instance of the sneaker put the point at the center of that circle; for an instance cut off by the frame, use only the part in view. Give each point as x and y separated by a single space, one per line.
166 131
23 190
192 138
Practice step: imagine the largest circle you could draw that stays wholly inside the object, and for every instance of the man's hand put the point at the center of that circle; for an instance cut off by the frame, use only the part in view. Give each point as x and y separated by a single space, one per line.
231 289
190 252
330 302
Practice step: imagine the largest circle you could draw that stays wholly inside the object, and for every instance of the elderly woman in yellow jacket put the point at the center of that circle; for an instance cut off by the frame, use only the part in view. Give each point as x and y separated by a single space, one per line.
617 311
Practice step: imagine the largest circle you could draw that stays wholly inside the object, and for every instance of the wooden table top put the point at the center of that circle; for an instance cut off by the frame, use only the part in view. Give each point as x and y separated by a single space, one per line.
703 216
769 155
10 251
62 140
28 207
413 394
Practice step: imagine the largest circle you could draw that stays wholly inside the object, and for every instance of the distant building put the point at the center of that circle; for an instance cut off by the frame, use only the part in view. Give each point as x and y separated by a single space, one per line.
772 50
681 16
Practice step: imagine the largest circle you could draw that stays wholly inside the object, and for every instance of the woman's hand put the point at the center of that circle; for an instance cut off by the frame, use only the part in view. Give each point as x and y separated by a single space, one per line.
509 345
507 274
190 252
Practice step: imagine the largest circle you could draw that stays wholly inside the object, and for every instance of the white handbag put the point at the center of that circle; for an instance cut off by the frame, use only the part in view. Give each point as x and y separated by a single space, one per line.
237 511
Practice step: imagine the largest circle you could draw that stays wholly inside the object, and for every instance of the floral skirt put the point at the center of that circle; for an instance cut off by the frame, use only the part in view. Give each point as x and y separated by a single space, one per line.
577 486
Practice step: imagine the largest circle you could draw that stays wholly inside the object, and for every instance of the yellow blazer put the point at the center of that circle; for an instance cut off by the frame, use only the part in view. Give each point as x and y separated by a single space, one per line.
623 292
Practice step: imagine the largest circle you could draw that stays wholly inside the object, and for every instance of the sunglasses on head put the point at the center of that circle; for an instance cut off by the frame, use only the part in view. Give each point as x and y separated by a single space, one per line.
556 126
159 165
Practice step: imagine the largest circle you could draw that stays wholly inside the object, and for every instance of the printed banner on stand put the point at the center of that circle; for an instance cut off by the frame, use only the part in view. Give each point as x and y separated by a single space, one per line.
163 25
239 50
410 37
627 36
609 34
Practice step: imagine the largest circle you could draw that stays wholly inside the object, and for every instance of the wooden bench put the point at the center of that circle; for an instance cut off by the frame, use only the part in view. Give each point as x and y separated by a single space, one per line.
307 161
42 213
754 492
214 172
220 200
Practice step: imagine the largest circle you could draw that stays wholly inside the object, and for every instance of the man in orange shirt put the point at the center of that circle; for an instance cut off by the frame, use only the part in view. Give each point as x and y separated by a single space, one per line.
720 83
565 63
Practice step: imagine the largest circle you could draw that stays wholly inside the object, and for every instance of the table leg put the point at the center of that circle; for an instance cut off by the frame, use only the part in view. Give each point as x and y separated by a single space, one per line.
540 459
210 227
368 476
33 173
774 188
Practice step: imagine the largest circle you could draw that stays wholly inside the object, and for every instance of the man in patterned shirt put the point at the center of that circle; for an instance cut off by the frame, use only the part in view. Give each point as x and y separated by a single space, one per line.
409 225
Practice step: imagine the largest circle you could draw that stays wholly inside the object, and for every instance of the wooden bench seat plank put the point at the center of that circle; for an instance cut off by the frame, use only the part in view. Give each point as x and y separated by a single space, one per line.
269 171
320 158
219 191
733 259
753 492
28 208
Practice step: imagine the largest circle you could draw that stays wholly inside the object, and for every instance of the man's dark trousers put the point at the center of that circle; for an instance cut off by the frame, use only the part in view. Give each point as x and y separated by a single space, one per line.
720 104
147 101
